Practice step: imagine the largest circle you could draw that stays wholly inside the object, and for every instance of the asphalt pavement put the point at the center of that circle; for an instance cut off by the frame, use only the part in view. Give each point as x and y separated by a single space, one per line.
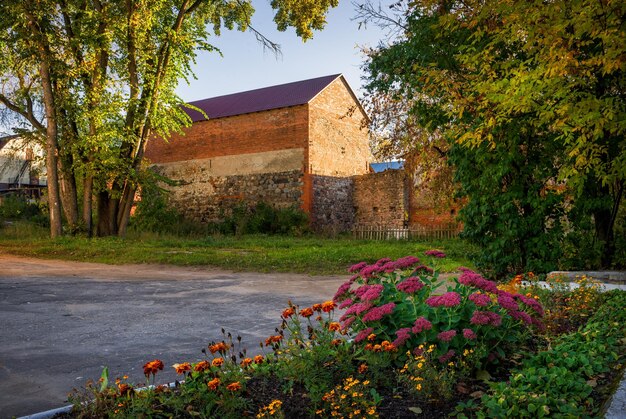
63 322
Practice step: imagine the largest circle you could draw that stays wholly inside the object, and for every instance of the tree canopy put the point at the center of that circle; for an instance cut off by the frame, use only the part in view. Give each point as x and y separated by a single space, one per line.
523 78
95 79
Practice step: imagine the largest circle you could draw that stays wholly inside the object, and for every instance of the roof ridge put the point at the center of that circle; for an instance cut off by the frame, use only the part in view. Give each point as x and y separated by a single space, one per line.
261 99
334 76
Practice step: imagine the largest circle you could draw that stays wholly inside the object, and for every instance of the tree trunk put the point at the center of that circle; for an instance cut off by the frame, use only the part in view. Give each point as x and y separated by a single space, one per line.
107 215
87 204
52 145
69 196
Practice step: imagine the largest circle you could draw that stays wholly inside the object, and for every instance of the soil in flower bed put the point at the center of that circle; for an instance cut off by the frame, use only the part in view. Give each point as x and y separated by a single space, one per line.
395 405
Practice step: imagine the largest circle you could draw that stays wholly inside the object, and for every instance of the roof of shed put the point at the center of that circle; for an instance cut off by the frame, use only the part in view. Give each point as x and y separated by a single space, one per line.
266 98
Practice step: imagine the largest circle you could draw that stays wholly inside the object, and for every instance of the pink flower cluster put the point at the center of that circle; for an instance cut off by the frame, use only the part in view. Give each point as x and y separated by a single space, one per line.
378 313
446 336
481 300
369 292
406 262
486 318
403 335
357 308
532 303
520 315
469 334
449 299
472 279
507 301
342 290
435 253
410 285
363 334
421 324
346 303
357 267
447 356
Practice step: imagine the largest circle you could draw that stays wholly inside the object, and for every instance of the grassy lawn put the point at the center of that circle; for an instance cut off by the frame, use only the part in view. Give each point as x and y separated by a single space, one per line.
246 253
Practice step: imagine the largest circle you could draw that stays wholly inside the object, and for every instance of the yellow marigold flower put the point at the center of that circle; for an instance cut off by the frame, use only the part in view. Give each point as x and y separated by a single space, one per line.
419 387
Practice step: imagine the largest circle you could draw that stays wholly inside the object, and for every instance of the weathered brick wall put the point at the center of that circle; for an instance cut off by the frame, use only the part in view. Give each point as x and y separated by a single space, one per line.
206 197
333 203
338 146
277 129
381 199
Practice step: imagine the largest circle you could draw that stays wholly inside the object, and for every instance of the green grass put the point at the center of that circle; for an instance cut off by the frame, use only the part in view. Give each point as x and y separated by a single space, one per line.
258 253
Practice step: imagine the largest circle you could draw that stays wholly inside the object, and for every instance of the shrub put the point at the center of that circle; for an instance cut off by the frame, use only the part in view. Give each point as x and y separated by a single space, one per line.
558 382
17 207
393 306
263 218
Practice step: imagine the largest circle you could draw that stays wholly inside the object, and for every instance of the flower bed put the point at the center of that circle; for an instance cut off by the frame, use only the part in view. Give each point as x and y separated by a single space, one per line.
399 348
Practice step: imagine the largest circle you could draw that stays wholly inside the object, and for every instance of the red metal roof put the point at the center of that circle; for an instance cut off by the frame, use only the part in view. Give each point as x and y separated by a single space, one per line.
273 97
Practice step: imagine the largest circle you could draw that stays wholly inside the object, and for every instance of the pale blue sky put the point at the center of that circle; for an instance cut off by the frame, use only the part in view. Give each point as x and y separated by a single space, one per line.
246 66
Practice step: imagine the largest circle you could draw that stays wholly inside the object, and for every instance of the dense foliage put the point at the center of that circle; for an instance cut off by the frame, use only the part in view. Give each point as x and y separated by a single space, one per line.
95 80
509 85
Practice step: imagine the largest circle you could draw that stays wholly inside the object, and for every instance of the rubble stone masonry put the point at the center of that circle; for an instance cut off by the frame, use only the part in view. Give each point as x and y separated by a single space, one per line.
381 199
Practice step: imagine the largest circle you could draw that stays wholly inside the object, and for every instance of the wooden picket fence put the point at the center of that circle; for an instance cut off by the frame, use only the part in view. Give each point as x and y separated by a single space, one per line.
413 233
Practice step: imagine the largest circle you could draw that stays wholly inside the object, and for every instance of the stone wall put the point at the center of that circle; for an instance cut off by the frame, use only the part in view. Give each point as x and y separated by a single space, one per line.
381 199
207 198
333 204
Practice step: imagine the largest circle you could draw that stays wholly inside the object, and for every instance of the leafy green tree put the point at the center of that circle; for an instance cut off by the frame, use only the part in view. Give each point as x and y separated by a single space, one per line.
550 74
104 74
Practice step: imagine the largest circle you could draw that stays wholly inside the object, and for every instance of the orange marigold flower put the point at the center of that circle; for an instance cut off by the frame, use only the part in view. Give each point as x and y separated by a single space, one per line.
388 346
218 362
202 366
218 347
328 306
362 368
124 389
334 327
371 337
288 312
336 342
214 383
182 368
234 386
258 359
273 339
369 347
377 348
306 312
152 367
317 307
245 362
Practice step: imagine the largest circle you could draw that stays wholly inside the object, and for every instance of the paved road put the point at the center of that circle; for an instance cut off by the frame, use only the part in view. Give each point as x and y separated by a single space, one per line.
62 322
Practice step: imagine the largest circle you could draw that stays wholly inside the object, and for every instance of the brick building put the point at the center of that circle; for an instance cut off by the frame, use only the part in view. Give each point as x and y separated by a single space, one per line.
300 143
